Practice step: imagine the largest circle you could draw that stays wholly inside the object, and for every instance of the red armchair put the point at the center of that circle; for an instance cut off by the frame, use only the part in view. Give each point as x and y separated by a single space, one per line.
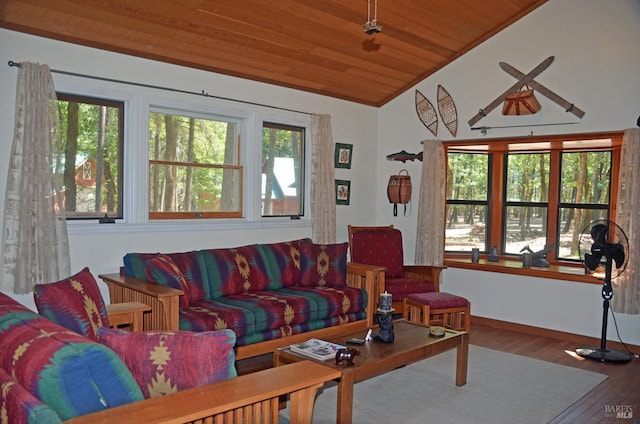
382 246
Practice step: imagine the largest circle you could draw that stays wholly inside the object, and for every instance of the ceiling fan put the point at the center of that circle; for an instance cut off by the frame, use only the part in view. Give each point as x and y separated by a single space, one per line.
371 26
602 244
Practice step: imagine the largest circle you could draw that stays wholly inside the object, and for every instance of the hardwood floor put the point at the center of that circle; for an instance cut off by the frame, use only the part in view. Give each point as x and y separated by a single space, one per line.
620 390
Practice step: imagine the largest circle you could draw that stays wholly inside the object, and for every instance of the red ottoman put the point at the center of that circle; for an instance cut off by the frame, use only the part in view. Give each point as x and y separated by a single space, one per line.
438 308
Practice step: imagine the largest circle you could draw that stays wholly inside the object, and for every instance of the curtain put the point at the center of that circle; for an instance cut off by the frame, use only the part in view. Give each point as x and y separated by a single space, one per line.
431 205
35 246
323 199
626 288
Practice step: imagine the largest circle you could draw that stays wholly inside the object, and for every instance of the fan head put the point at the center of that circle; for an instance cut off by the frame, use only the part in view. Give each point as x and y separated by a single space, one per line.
600 240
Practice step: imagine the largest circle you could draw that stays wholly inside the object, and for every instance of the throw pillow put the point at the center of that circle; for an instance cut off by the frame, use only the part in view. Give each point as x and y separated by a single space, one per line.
323 264
163 270
74 303
164 362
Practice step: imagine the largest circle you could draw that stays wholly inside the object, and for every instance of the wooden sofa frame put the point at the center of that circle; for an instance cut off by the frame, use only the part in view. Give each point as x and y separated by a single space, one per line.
164 302
249 398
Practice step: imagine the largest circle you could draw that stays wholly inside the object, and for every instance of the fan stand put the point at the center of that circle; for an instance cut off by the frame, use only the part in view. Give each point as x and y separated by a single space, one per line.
602 353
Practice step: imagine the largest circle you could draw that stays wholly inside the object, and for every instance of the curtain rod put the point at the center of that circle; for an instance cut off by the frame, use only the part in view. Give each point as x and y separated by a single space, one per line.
175 90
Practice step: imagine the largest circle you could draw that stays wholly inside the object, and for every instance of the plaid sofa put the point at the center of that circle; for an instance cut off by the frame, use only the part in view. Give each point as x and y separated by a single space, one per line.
260 291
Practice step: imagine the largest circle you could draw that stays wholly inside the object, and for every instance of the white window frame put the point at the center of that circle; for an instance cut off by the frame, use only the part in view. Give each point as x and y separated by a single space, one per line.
138 101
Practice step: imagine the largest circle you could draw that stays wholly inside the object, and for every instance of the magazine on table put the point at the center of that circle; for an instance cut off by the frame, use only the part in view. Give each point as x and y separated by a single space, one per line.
317 349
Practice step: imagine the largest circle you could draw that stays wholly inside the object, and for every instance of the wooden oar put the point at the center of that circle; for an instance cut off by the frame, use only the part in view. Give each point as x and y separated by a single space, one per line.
526 79
569 107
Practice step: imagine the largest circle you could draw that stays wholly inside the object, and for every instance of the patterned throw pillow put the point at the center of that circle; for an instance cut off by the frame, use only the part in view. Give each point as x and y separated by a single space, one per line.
165 362
74 303
163 270
323 265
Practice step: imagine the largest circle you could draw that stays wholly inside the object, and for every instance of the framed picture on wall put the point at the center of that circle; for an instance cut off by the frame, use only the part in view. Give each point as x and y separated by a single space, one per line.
343 192
343 155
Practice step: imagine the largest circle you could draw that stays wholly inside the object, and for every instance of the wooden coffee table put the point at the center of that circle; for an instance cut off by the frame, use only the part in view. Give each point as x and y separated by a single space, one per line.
412 343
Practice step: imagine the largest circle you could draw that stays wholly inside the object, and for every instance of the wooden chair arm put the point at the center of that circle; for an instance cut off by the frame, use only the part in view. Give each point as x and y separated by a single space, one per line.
370 278
129 313
237 400
164 301
428 272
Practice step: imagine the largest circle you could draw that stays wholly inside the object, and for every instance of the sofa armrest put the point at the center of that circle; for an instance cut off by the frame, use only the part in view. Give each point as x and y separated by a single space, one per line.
164 301
236 400
370 278
427 272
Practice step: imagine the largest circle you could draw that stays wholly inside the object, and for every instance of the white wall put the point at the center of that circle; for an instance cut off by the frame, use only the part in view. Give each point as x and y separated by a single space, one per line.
596 67
102 249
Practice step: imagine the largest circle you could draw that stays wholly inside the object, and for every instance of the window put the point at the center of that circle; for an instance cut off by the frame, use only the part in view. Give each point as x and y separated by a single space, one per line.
194 167
467 201
526 202
282 170
91 131
514 193
179 161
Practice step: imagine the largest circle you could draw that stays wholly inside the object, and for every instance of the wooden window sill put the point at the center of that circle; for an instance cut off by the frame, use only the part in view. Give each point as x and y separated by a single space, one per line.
513 266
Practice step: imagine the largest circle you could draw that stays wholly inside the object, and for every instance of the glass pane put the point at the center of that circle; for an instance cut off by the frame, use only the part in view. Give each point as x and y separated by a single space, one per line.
91 134
467 176
525 226
282 170
194 164
465 228
527 177
194 140
585 177
572 222
193 189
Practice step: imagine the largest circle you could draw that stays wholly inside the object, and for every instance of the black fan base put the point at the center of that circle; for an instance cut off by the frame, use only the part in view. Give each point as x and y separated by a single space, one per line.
603 355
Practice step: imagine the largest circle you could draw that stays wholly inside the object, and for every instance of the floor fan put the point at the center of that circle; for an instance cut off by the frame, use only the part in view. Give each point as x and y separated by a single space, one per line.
603 244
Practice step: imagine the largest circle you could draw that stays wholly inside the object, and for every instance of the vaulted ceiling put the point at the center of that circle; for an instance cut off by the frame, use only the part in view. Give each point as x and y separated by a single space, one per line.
313 45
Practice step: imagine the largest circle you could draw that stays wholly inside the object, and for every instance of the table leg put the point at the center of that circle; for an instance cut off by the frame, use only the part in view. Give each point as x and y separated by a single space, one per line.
345 398
462 359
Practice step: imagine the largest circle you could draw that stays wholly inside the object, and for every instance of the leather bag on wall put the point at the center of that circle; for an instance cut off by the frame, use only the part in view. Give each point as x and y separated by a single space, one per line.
399 190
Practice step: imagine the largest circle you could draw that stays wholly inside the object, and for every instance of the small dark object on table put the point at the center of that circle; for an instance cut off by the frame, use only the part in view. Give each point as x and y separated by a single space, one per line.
346 354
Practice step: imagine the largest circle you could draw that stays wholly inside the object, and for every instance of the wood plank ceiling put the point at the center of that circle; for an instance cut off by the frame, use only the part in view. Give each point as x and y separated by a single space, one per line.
313 45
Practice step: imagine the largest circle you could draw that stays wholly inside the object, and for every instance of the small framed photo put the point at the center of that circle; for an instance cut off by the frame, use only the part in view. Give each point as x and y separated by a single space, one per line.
343 155
343 192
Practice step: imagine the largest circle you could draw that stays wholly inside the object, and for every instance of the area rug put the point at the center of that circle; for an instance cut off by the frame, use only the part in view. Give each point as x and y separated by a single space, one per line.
501 388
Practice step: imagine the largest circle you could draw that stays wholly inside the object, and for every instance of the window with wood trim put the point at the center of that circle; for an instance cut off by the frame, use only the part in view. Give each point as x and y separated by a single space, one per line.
535 191
194 166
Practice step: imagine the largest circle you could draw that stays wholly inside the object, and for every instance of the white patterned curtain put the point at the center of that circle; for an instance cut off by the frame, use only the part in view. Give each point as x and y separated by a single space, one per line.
35 246
323 199
431 206
626 288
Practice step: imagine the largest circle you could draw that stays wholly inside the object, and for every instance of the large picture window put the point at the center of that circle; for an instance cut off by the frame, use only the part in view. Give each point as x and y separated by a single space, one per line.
516 194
